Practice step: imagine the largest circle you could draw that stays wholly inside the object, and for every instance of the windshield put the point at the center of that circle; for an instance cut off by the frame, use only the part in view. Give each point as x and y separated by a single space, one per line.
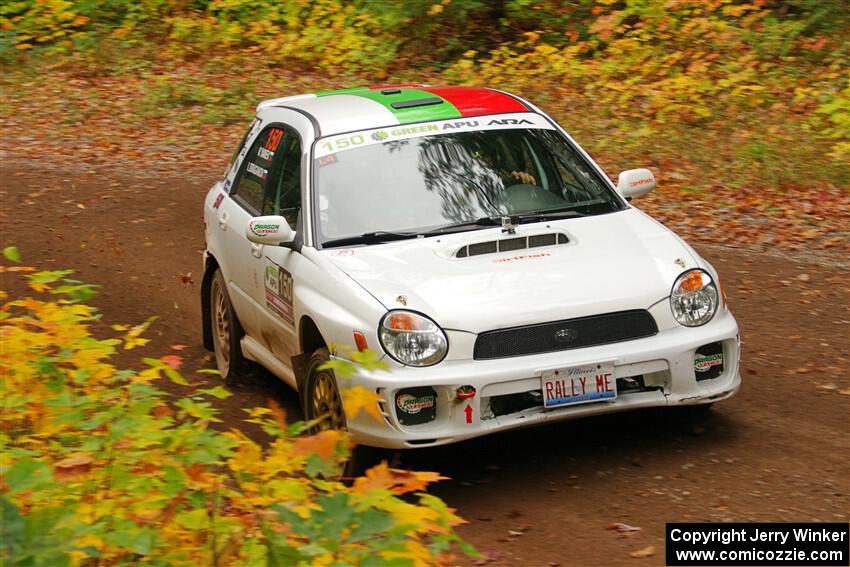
417 184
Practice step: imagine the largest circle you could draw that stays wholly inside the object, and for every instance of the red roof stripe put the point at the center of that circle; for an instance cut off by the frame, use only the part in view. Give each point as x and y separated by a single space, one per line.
475 101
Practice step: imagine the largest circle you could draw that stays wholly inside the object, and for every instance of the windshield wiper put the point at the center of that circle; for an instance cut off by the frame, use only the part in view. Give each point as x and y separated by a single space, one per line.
370 238
483 221
380 236
496 220
562 213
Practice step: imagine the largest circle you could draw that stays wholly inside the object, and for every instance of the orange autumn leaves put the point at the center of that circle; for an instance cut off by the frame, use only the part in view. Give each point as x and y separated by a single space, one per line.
109 468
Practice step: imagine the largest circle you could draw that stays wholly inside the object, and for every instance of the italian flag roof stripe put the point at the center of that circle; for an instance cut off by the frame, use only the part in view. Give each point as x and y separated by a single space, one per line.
471 101
456 102
441 111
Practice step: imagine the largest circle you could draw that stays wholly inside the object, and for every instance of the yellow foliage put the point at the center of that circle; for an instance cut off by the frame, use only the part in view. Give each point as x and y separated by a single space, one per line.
96 462
357 399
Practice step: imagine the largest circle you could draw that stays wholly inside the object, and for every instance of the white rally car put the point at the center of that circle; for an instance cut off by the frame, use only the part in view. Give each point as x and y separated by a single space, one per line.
466 237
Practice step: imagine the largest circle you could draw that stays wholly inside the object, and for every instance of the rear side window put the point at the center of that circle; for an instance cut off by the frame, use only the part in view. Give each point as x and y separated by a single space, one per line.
256 169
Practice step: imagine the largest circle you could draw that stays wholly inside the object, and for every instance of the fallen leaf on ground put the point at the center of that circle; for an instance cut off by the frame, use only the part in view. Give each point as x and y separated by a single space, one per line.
173 361
647 551
622 528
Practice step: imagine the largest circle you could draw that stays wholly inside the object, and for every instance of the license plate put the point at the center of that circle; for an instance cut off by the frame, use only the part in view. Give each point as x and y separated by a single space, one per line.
579 385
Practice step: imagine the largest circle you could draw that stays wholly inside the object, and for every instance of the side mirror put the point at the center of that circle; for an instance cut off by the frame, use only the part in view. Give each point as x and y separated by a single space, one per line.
272 230
635 183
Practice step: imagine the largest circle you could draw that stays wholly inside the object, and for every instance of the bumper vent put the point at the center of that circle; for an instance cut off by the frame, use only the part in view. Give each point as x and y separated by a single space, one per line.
565 335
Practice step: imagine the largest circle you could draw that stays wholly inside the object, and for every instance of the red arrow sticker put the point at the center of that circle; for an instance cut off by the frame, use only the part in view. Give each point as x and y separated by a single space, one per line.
468 412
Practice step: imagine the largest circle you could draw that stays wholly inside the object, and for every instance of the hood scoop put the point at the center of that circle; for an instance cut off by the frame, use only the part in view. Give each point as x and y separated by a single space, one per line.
512 244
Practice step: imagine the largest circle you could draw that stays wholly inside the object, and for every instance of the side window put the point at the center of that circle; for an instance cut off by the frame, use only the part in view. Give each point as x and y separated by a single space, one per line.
283 194
256 170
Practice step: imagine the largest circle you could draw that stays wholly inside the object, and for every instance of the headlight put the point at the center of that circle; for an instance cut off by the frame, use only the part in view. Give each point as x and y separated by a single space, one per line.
694 298
412 339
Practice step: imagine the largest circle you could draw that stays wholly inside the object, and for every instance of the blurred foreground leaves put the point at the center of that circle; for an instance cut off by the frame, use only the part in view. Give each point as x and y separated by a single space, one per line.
102 467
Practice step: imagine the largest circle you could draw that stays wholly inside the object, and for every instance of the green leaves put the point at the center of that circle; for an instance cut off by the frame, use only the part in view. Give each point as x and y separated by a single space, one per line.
219 392
27 474
12 254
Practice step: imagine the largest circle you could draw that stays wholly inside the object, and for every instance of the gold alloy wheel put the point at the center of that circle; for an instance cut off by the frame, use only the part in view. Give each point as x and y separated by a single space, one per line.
325 402
222 332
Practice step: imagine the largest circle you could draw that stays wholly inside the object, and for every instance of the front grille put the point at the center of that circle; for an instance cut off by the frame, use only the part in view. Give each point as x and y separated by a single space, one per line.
565 335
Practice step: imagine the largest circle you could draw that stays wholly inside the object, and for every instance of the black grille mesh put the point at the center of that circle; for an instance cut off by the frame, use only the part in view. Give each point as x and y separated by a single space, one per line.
578 333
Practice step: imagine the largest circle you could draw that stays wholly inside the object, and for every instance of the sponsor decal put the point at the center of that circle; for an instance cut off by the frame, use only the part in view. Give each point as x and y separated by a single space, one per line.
640 182
461 124
256 170
327 160
278 284
704 363
218 199
421 129
255 127
227 183
414 404
264 229
508 121
335 144
273 141
342 253
265 153
522 257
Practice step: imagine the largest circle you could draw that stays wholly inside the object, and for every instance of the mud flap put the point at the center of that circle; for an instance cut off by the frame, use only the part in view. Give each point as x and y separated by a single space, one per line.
206 322
299 368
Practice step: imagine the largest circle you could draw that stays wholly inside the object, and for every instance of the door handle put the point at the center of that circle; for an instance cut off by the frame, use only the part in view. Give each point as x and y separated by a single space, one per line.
256 250
222 220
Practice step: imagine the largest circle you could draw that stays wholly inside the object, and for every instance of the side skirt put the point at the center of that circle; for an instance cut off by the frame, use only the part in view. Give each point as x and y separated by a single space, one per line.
253 350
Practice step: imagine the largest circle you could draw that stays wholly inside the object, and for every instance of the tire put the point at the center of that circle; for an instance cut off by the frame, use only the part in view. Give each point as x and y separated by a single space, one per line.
321 395
226 331
322 398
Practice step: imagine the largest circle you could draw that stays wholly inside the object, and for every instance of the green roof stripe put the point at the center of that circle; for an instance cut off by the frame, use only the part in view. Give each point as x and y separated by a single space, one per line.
405 115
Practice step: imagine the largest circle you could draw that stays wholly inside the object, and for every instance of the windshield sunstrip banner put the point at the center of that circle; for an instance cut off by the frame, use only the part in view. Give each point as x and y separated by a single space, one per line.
342 142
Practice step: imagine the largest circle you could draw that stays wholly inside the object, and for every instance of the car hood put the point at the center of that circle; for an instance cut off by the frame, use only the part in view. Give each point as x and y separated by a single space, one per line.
613 262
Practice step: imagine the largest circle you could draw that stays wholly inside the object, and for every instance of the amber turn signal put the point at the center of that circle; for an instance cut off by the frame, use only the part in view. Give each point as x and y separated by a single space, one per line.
360 341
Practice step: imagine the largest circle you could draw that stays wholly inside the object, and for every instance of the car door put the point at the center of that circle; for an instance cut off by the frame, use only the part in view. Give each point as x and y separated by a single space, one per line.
280 264
242 268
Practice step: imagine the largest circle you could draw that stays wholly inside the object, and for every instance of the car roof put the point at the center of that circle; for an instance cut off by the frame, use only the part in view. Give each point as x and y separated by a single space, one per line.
360 108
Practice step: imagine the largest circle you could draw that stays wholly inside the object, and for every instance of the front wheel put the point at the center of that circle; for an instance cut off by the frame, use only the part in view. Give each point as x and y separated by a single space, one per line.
226 331
321 396
322 401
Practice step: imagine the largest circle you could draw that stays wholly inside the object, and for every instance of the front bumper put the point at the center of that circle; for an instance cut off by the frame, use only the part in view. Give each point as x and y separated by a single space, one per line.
664 363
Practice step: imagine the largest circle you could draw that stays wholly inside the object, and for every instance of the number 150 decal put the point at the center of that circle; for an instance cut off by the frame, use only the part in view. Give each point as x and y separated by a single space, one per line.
279 292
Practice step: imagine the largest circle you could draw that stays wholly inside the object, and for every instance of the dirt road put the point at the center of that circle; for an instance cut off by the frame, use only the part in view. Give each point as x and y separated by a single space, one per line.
775 452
